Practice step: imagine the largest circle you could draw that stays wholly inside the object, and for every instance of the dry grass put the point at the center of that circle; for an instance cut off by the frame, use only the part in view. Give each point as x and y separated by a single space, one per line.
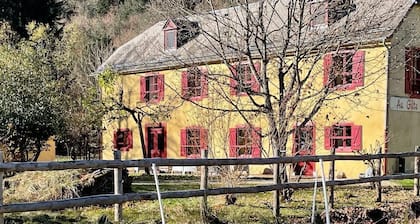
42 186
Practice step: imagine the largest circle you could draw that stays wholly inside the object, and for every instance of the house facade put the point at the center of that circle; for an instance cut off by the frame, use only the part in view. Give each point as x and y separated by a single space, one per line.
358 94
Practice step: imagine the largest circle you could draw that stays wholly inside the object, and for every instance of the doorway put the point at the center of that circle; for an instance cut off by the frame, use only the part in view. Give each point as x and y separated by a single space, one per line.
304 144
156 141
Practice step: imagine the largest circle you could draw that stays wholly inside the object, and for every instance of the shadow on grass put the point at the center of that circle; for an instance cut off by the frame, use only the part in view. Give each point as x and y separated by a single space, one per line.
44 219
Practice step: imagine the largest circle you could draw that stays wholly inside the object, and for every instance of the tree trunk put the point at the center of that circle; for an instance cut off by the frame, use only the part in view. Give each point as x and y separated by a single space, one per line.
38 152
143 144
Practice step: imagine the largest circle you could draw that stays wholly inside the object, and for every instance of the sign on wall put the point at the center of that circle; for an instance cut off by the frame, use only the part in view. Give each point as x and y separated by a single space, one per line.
404 104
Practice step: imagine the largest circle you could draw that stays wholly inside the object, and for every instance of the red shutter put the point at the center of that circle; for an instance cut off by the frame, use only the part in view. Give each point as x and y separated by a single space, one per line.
203 139
327 68
204 84
356 132
358 68
408 70
129 140
327 138
184 83
114 141
142 89
183 142
232 142
233 82
255 86
161 86
164 154
256 143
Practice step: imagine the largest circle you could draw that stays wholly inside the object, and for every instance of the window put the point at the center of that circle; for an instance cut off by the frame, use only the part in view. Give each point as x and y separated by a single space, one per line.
344 70
326 12
412 72
344 137
245 142
123 139
319 13
193 140
194 84
152 88
170 39
243 81
303 140
170 35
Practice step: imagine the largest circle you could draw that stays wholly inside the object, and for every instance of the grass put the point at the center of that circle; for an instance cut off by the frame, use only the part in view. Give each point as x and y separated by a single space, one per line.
405 183
249 208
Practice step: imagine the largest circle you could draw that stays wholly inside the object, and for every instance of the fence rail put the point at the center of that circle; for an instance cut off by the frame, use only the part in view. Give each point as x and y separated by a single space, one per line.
120 197
85 164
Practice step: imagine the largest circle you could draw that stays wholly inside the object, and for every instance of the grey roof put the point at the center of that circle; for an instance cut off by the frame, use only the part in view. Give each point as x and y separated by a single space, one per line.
370 21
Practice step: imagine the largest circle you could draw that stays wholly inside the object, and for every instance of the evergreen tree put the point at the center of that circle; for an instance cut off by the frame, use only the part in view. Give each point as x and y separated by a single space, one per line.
19 13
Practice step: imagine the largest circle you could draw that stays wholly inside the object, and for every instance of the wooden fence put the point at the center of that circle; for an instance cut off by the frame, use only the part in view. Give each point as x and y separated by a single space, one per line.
119 197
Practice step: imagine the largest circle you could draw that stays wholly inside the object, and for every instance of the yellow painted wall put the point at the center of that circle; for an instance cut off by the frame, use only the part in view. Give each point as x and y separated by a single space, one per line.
48 151
366 106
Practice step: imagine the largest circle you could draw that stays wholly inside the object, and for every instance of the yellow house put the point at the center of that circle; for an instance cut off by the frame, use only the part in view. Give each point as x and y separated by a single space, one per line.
250 81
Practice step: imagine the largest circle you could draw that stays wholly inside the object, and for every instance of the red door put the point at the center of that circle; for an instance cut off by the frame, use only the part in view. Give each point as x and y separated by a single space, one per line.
304 144
156 142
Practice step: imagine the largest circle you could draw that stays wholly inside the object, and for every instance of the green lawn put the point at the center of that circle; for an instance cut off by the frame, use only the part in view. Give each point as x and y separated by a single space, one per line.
405 183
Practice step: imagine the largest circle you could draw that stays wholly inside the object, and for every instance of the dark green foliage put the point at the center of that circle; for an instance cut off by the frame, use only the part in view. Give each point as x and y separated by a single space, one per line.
20 12
30 102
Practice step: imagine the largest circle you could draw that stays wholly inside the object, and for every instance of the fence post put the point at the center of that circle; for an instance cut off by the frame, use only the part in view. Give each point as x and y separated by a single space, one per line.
276 177
203 186
379 198
416 171
118 188
1 188
332 178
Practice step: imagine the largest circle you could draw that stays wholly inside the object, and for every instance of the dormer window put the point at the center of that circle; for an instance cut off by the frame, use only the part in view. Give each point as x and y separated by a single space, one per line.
327 12
178 32
319 13
170 39
170 35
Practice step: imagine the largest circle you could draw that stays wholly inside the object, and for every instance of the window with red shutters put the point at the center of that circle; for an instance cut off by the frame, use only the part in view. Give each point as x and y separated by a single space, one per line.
123 139
344 137
245 142
194 84
243 81
412 72
193 140
303 140
152 88
344 70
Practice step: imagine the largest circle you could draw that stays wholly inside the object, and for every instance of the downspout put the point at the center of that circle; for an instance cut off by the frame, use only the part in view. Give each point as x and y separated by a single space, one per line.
385 163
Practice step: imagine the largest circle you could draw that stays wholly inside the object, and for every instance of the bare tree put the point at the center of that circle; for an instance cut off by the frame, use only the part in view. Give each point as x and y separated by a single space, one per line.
277 52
